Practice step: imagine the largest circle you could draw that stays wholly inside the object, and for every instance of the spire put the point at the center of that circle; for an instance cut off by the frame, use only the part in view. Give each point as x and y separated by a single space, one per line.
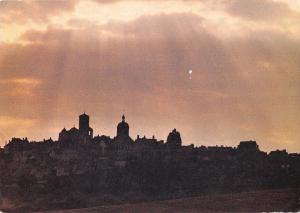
123 118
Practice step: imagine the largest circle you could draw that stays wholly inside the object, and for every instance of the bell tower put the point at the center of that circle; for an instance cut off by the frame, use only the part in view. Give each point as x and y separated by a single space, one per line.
84 126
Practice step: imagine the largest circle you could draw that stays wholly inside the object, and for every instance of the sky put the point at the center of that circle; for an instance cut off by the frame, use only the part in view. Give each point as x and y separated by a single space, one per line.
60 58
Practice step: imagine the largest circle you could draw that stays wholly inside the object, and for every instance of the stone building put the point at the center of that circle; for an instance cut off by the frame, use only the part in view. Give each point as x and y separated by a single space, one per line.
17 144
123 137
174 139
248 146
82 135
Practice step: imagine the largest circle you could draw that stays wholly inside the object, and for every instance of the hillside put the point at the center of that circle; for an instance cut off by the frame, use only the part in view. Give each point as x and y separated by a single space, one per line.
268 200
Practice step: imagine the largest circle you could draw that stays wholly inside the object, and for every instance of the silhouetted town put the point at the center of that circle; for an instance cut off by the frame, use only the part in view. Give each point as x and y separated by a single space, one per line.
80 167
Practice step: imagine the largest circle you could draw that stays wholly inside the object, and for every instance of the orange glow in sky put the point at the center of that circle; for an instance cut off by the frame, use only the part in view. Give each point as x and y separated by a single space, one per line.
106 57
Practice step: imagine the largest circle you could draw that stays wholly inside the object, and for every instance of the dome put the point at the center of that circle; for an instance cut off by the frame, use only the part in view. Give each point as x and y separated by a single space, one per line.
123 128
123 124
174 139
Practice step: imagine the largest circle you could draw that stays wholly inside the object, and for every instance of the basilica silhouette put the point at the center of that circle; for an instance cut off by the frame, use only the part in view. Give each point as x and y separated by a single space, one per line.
122 140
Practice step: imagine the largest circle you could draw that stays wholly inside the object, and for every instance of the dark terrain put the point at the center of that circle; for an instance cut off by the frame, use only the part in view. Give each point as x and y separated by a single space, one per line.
267 200
81 171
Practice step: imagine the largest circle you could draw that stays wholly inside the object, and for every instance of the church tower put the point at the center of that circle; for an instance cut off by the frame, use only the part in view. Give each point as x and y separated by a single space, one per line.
84 127
84 124
123 128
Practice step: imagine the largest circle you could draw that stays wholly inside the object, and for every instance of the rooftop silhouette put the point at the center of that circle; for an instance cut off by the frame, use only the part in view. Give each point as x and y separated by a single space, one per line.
80 165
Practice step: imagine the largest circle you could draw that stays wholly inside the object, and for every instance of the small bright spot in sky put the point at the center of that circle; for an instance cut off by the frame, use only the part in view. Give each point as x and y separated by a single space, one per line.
190 74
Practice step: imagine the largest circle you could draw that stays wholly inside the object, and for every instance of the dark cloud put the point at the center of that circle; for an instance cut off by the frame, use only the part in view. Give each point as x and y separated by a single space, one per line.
266 10
181 25
33 10
53 34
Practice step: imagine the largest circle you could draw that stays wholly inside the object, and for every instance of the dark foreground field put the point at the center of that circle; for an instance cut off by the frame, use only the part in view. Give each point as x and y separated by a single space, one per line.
269 200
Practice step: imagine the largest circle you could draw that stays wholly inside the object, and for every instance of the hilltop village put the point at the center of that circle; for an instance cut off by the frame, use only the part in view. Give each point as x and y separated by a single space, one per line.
81 169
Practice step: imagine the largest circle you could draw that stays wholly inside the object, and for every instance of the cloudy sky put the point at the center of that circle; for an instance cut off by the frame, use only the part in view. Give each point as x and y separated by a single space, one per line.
105 57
